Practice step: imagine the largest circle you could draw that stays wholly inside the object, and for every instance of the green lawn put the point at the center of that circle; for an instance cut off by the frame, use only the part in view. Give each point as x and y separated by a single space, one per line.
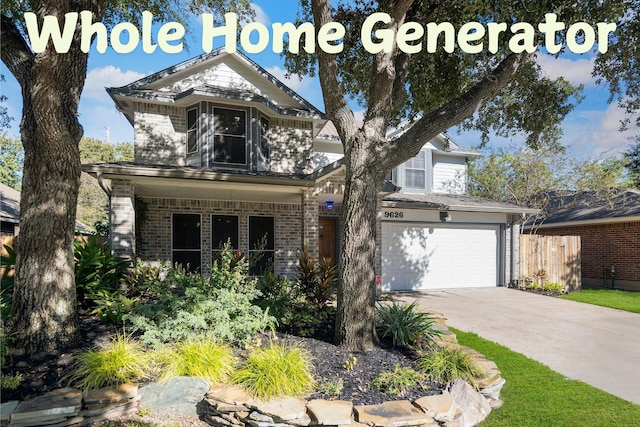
536 396
622 300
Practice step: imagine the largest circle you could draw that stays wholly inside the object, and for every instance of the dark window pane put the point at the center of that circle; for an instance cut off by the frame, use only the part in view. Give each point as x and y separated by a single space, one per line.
189 260
192 130
230 149
261 227
224 228
264 139
186 231
230 122
261 262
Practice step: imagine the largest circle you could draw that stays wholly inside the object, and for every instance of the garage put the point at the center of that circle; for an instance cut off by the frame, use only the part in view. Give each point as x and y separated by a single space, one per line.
425 256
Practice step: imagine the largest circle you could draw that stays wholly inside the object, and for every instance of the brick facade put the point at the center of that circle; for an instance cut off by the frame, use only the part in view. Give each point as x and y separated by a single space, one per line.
156 228
122 219
604 246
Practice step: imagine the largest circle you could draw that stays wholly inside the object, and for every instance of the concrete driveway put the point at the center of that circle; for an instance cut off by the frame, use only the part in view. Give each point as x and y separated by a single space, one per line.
597 345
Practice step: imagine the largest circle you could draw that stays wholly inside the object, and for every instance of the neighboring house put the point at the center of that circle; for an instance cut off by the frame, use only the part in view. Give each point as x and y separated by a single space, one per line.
226 152
609 229
10 213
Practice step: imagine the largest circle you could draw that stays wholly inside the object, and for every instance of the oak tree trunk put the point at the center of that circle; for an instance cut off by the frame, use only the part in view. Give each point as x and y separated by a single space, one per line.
44 315
355 321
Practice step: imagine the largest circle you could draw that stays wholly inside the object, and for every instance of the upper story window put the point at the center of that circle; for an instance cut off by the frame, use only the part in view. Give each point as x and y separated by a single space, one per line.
192 130
415 172
229 136
263 146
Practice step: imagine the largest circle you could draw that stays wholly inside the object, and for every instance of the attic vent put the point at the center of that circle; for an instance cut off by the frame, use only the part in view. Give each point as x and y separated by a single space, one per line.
289 123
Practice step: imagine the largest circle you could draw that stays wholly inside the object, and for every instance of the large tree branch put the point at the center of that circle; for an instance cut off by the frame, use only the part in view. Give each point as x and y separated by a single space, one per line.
15 51
385 78
334 99
454 111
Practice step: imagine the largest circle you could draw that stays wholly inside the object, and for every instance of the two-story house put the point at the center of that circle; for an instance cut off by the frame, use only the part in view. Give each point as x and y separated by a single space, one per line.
226 152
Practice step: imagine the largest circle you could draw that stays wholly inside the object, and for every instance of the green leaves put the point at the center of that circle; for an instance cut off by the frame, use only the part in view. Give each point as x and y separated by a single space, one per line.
405 324
448 364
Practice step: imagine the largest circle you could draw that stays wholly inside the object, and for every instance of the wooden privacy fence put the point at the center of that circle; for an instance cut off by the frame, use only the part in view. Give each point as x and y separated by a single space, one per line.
554 259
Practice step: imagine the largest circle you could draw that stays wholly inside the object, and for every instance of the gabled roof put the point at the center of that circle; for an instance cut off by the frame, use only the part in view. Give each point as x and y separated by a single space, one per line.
151 87
589 207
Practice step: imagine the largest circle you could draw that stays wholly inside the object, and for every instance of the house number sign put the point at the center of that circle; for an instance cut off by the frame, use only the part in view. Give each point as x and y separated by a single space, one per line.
394 214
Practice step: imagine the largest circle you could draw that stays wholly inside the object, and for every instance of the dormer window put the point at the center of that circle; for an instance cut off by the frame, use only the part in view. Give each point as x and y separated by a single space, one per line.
229 136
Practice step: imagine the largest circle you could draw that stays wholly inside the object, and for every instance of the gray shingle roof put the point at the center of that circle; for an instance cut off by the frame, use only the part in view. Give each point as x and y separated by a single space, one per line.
589 206
458 202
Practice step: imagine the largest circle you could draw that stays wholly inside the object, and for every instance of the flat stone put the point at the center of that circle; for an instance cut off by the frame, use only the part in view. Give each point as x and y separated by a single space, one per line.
64 402
177 396
39 421
303 421
114 413
473 405
331 412
121 393
232 419
216 420
223 408
257 416
493 391
396 413
92 412
440 407
107 406
231 394
6 409
495 403
491 373
283 409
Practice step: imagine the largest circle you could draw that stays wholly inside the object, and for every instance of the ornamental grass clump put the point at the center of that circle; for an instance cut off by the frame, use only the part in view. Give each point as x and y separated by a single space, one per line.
444 365
398 381
121 361
405 324
200 358
276 370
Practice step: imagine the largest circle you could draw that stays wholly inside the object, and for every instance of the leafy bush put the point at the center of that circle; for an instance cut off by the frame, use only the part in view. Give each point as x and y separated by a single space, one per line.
199 358
96 269
552 287
316 280
7 262
190 307
10 382
276 370
445 364
119 362
331 388
398 381
144 280
111 307
405 324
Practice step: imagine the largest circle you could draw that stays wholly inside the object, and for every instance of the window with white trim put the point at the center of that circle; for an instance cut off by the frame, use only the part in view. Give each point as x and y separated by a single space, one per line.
192 130
229 136
415 172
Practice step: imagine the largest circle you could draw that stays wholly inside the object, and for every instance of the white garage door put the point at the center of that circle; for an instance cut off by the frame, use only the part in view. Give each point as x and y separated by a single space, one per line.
422 257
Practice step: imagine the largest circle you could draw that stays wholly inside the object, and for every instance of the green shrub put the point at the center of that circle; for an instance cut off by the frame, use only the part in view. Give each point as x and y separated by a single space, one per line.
405 324
119 362
7 262
316 280
199 358
331 388
398 381
111 307
96 269
190 307
446 364
276 370
10 382
552 287
144 280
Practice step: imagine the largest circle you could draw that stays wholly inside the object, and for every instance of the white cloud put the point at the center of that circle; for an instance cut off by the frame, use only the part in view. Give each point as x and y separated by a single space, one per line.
261 15
100 78
293 81
596 134
577 72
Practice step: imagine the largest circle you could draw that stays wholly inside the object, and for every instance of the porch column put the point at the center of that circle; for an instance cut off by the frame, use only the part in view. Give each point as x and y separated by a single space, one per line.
122 230
310 215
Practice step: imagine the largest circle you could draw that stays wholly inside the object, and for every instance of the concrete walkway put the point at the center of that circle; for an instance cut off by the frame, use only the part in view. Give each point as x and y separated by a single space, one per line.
597 345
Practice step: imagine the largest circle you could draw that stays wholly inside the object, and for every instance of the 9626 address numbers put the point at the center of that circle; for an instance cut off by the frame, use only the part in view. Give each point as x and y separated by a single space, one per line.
394 214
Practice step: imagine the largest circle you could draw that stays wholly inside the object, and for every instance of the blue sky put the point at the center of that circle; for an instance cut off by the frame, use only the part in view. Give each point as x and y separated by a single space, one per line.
591 131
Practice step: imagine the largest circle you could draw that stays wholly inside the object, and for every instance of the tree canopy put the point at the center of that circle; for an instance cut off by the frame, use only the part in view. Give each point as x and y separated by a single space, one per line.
11 159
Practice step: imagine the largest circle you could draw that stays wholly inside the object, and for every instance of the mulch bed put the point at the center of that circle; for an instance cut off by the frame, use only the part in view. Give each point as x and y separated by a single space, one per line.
46 372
